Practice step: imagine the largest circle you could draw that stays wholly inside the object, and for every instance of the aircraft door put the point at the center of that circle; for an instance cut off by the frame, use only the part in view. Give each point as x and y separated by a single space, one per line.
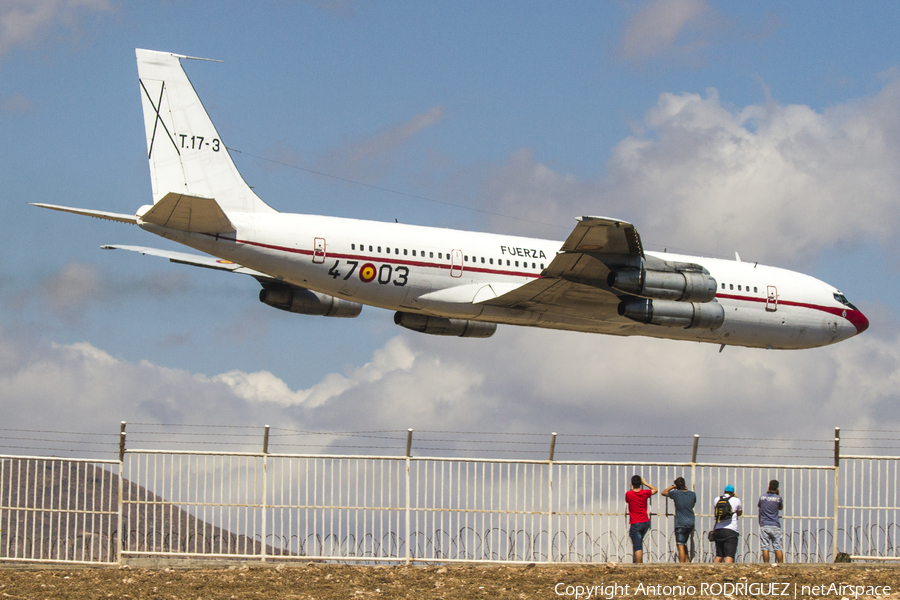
319 250
771 298
456 263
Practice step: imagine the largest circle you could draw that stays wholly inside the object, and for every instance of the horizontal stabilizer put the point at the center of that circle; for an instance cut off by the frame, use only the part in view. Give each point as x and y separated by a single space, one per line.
194 260
98 214
188 213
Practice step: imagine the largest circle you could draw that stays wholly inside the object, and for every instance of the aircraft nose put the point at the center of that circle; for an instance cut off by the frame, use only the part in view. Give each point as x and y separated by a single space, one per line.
859 321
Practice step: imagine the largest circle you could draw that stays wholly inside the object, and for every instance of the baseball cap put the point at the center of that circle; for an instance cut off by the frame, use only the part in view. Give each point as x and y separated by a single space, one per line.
729 488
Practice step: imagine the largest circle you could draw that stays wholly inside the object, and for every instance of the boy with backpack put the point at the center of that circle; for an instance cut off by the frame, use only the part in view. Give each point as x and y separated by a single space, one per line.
726 510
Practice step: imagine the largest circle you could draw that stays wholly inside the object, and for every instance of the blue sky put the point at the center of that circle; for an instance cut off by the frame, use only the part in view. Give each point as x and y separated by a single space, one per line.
765 128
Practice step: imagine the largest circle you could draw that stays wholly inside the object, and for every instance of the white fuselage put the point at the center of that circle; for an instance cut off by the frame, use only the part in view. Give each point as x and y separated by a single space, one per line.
437 272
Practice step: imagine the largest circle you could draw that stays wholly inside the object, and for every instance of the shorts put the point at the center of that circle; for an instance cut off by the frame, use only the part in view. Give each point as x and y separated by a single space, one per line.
637 533
726 543
682 534
770 537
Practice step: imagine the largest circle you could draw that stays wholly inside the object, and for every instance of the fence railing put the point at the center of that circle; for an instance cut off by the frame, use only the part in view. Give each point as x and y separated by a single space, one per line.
59 510
868 507
266 506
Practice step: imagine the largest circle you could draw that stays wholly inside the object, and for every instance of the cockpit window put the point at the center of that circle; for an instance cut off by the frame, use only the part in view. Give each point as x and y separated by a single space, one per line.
843 300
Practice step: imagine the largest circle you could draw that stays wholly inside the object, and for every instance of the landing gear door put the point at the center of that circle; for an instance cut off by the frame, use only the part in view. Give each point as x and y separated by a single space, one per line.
456 263
319 250
771 298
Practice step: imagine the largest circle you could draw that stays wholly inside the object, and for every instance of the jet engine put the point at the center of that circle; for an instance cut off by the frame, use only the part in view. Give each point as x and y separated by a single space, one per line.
307 302
681 286
667 313
444 326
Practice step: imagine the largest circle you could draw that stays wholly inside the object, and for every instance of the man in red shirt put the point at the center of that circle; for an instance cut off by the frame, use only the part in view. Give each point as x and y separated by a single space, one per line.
637 498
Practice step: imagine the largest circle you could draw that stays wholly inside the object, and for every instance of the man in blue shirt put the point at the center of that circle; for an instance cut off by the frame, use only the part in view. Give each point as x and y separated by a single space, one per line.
684 500
770 523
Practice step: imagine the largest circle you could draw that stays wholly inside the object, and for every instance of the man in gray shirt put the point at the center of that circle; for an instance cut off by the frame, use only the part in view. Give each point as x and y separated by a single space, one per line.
770 523
684 500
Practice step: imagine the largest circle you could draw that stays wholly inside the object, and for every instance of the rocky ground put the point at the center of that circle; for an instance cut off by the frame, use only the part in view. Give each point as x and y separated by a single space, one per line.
330 581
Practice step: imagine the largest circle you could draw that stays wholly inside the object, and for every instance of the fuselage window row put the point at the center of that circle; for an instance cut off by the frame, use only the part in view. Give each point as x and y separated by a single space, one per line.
474 259
741 288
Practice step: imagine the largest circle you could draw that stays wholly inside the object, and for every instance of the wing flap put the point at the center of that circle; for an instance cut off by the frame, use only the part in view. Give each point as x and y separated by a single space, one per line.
578 267
603 235
562 298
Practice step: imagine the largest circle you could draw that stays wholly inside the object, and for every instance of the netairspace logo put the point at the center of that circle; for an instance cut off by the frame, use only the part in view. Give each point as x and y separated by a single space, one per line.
768 589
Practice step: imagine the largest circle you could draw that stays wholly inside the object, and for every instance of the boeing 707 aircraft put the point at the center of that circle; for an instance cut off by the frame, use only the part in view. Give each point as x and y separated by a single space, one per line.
449 282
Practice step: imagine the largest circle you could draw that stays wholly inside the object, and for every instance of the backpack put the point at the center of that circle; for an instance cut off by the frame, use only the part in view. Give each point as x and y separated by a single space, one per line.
723 510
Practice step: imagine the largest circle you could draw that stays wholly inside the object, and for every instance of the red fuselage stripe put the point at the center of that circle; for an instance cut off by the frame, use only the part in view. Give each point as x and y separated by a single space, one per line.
395 261
855 317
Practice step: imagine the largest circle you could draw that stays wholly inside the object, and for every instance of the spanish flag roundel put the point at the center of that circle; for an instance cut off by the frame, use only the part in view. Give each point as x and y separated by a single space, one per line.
367 272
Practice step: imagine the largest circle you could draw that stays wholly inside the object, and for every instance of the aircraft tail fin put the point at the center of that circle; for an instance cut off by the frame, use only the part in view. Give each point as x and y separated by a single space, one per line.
187 156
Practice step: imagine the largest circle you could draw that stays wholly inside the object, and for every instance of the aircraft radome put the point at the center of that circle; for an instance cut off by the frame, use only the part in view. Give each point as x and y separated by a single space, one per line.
448 282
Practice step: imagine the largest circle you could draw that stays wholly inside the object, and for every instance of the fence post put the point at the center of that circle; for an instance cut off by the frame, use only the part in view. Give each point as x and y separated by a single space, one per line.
119 511
694 461
837 472
265 482
550 498
409 434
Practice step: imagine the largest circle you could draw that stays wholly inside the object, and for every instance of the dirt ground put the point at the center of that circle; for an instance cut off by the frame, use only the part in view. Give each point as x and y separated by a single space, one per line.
448 582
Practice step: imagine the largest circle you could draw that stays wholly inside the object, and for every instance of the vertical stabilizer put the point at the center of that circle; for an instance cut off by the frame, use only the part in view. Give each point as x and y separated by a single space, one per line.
186 154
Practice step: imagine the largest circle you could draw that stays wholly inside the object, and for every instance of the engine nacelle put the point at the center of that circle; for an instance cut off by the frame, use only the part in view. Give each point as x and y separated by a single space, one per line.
666 313
681 286
307 302
444 326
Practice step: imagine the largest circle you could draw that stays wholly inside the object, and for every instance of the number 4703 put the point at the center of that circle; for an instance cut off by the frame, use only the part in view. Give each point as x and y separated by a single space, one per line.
386 273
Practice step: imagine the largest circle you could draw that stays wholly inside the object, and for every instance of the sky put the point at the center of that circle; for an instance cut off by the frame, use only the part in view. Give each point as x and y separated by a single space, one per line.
769 129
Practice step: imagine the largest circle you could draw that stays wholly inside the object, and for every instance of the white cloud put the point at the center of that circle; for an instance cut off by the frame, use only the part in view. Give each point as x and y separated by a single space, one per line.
78 287
666 27
521 380
72 287
367 158
25 22
772 181
581 383
266 387
534 192
15 104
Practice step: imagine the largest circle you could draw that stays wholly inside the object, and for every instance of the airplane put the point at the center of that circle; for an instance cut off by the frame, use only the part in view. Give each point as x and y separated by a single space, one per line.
449 282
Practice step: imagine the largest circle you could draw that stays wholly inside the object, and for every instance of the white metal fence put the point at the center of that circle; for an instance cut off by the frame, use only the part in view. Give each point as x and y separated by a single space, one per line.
869 507
59 510
264 506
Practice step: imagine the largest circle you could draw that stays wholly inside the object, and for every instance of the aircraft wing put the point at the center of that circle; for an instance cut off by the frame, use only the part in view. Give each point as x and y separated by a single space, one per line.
195 260
574 283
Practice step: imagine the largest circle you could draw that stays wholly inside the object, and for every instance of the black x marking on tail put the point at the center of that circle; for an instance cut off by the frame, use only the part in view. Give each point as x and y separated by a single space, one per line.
159 119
